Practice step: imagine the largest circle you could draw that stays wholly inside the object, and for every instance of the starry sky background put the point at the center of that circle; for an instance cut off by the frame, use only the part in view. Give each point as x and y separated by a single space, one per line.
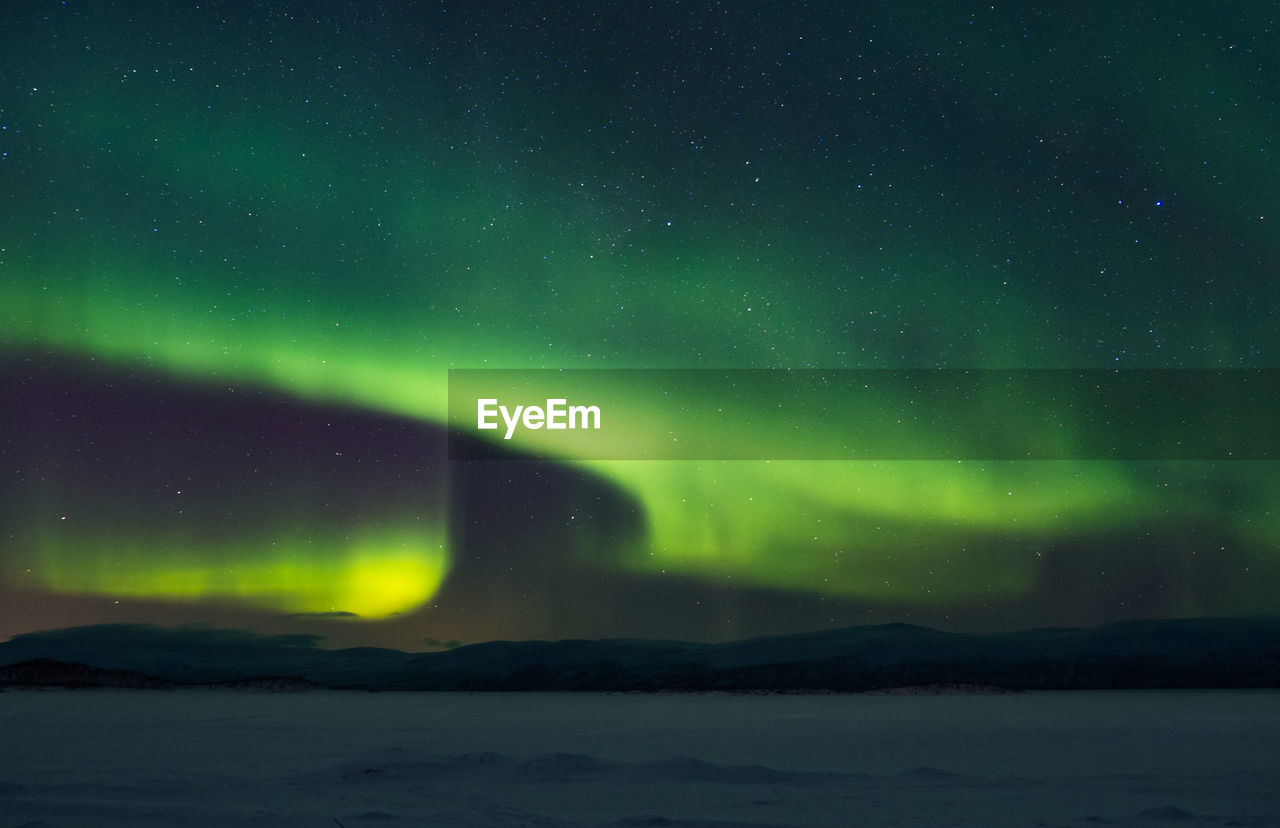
241 245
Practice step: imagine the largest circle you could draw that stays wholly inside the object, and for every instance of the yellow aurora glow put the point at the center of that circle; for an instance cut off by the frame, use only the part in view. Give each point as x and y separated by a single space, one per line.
375 574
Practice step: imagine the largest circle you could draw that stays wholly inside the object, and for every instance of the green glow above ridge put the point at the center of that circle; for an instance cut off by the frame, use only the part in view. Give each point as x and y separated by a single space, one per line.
940 532
375 574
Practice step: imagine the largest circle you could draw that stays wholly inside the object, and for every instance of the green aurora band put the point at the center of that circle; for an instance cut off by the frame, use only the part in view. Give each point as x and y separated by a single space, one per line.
346 235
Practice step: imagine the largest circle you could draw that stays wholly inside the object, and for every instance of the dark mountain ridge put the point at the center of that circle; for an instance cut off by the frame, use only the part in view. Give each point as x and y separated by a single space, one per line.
1180 653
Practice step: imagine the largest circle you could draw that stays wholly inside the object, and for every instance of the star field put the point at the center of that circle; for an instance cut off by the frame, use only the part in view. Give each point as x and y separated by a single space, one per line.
223 226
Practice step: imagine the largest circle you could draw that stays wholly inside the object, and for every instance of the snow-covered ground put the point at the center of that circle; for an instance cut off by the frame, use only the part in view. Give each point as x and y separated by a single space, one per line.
222 758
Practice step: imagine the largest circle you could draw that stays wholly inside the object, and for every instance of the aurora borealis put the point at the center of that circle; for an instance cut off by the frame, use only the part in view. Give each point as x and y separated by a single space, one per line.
242 245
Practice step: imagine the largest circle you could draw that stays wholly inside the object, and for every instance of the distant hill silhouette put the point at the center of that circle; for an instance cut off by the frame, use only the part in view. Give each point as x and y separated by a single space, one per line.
47 672
1184 653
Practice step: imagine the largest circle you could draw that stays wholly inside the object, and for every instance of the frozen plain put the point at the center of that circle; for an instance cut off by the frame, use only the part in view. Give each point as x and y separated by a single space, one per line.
205 757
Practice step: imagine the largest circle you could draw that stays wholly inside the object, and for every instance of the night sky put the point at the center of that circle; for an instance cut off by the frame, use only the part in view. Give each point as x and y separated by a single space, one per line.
241 246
